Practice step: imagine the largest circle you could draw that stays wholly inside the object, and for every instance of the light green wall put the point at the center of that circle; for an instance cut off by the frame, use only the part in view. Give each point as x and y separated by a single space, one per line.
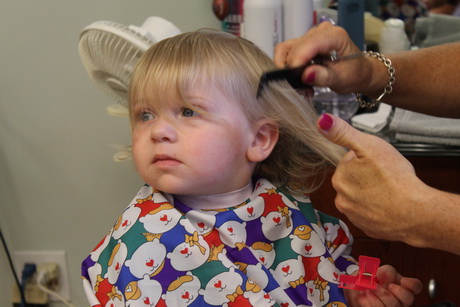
59 188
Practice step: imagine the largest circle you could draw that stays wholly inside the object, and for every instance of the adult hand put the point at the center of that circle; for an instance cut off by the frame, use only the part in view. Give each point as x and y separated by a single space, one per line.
377 188
342 76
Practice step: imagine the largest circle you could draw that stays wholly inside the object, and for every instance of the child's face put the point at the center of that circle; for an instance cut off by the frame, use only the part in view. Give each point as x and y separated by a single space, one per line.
180 151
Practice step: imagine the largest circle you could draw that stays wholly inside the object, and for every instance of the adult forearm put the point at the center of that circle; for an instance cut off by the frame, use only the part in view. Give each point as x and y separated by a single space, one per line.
427 80
441 212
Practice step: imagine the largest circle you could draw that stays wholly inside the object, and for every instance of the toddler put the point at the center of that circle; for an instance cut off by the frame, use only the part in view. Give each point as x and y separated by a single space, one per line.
224 218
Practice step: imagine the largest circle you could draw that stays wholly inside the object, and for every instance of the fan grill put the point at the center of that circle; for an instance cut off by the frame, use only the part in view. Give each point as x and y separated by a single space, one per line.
109 52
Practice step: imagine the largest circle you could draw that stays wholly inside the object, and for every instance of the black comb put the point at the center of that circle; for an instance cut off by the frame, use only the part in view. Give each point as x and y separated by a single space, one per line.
294 75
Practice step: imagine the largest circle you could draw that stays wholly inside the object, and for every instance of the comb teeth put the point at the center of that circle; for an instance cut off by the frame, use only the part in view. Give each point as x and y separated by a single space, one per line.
263 81
292 75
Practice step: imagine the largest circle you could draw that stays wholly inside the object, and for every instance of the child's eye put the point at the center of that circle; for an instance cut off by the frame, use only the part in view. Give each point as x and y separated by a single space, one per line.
186 112
146 116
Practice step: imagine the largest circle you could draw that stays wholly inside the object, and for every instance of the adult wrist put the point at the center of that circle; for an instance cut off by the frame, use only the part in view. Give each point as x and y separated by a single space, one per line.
423 200
366 101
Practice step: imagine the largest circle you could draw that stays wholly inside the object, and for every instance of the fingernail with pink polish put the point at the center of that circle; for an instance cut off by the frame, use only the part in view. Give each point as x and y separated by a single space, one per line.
311 78
325 122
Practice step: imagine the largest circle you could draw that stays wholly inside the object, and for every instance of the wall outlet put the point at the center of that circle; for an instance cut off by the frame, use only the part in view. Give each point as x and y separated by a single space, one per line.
42 257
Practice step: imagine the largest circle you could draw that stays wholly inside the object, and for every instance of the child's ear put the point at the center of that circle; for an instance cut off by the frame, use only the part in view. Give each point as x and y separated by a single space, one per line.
265 137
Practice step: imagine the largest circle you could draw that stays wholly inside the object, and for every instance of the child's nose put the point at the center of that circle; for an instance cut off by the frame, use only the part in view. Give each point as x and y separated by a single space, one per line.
163 131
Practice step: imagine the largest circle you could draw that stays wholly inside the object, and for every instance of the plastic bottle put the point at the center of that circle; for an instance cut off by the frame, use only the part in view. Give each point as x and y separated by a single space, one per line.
393 37
263 23
297 17
351 18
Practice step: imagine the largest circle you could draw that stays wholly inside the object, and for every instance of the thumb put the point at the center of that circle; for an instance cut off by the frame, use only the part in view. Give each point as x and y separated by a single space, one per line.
341 133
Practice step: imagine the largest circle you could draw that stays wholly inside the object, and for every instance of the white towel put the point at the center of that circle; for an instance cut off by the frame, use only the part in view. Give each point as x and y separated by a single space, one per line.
373 122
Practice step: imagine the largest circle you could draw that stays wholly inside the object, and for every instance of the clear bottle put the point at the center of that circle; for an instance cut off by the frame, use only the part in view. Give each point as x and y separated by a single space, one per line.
327 101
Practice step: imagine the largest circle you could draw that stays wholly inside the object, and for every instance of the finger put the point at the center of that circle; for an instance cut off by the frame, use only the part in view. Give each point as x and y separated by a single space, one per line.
341 133
384 297
370 299
281 52
412 284
350 155
405 296
314 43
387 274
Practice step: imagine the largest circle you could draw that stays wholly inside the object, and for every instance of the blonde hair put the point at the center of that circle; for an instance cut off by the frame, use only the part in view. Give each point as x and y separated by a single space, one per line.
234 65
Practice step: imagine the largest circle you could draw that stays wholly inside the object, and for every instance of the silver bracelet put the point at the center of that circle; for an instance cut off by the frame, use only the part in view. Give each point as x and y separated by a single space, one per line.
366 102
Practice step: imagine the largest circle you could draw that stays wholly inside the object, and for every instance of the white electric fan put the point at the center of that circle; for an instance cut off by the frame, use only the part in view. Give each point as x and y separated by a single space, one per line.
110 51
